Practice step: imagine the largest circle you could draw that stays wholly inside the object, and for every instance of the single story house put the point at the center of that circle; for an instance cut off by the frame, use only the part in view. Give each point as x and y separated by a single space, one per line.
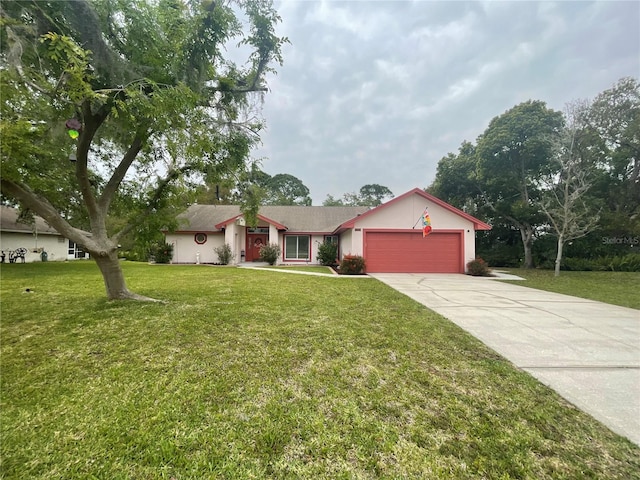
389 236
36 238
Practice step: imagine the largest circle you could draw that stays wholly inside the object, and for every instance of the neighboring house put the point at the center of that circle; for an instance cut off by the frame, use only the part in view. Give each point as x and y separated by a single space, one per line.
36 237
389 237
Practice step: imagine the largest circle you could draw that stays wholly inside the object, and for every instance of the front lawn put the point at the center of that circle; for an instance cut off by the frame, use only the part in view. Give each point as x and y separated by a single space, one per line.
616 288
254 374
303 268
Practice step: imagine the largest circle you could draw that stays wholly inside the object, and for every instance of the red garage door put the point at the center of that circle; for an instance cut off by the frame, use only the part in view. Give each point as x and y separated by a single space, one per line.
410 252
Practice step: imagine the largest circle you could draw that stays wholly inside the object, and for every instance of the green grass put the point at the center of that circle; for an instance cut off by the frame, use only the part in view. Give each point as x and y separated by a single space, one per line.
311 269
616 288
254 374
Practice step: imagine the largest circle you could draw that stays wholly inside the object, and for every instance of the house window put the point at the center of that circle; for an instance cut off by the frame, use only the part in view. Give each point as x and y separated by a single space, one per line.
76 251
296 247
333 239
258 230
200 238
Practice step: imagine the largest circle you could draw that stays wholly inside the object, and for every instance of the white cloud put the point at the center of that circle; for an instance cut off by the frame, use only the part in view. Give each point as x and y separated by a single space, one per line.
378 92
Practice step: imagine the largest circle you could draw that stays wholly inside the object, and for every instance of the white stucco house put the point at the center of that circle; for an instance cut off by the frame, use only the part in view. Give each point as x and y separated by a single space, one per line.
36 237
389 237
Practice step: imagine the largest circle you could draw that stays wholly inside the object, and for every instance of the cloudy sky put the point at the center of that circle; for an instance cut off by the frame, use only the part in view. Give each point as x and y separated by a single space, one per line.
379 91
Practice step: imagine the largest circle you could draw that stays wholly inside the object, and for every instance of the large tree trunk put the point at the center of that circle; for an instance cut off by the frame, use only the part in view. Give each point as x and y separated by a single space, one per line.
526 232
111 270
559 255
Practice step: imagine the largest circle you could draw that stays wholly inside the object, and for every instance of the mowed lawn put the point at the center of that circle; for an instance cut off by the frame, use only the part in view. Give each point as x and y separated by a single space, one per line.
259 374
616 288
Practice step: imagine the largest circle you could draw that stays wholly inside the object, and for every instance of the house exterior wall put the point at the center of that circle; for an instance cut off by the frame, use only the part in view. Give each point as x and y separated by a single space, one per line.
54 245
186 250
275 237
406 214
235 236
403 214
346 244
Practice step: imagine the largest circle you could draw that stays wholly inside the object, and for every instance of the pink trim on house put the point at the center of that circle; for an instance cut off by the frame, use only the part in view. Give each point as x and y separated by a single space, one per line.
279 226
477 224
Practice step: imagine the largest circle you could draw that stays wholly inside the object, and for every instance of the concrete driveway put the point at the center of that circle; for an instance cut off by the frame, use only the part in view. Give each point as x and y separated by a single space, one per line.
587 351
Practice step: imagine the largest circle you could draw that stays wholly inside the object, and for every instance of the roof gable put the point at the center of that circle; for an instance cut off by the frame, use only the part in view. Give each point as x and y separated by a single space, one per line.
477 224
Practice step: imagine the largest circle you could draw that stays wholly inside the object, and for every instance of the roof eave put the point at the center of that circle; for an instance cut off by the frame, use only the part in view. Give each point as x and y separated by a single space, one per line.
278 225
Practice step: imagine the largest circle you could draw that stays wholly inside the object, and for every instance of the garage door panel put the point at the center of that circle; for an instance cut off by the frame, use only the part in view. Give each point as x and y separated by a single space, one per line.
410 252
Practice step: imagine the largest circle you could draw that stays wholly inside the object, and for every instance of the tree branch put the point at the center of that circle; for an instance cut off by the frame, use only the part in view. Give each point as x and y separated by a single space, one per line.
121 170
44 209
15 56
89 128
154 200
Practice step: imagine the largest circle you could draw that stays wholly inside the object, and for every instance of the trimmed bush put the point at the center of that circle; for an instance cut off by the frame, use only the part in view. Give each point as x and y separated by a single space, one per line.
162 252
352 265
327 254
269 253
478 268
225 254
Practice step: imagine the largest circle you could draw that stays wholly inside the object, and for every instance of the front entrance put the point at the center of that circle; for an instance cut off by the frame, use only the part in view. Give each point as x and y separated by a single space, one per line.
255 241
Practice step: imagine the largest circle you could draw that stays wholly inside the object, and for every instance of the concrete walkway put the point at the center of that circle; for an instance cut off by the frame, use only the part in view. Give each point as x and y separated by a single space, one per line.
587 351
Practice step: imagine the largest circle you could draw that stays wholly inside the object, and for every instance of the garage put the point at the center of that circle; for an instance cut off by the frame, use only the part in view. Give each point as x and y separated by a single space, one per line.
410 252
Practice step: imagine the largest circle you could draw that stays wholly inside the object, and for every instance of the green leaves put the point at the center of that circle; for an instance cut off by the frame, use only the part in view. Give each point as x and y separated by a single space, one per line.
72 61
517 146
160 106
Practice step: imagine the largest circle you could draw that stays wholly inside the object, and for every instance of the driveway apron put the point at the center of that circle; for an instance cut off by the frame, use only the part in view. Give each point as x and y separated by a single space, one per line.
587 351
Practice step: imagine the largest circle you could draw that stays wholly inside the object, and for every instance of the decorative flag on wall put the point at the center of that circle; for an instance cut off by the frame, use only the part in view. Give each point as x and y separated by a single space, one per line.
426 223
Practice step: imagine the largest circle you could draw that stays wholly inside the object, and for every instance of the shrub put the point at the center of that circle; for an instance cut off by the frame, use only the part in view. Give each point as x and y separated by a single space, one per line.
612 263
478 268
162 252
620 263
269 253
578 264
352 265
327 253
225 254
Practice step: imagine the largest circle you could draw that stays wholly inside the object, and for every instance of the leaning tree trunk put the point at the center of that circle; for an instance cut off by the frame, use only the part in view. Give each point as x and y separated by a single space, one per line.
111 270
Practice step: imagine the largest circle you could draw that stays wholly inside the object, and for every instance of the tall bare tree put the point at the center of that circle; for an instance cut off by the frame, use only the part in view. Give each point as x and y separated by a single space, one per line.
565 203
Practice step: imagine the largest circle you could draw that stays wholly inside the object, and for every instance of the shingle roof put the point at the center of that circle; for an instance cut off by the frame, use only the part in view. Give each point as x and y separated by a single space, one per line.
296 219
9 222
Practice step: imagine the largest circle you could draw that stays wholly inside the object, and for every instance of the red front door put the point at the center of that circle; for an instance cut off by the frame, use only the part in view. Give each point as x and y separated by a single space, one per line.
254 242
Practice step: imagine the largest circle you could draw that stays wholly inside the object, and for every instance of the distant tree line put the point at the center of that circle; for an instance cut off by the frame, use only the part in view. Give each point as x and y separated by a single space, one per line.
552 183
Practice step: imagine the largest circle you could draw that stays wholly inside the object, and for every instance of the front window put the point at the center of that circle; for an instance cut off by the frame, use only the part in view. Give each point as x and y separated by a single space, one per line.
331 239
296 247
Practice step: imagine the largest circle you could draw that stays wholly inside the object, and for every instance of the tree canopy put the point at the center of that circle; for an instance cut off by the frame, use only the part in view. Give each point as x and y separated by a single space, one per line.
536 171
370 195
156 105
513 154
